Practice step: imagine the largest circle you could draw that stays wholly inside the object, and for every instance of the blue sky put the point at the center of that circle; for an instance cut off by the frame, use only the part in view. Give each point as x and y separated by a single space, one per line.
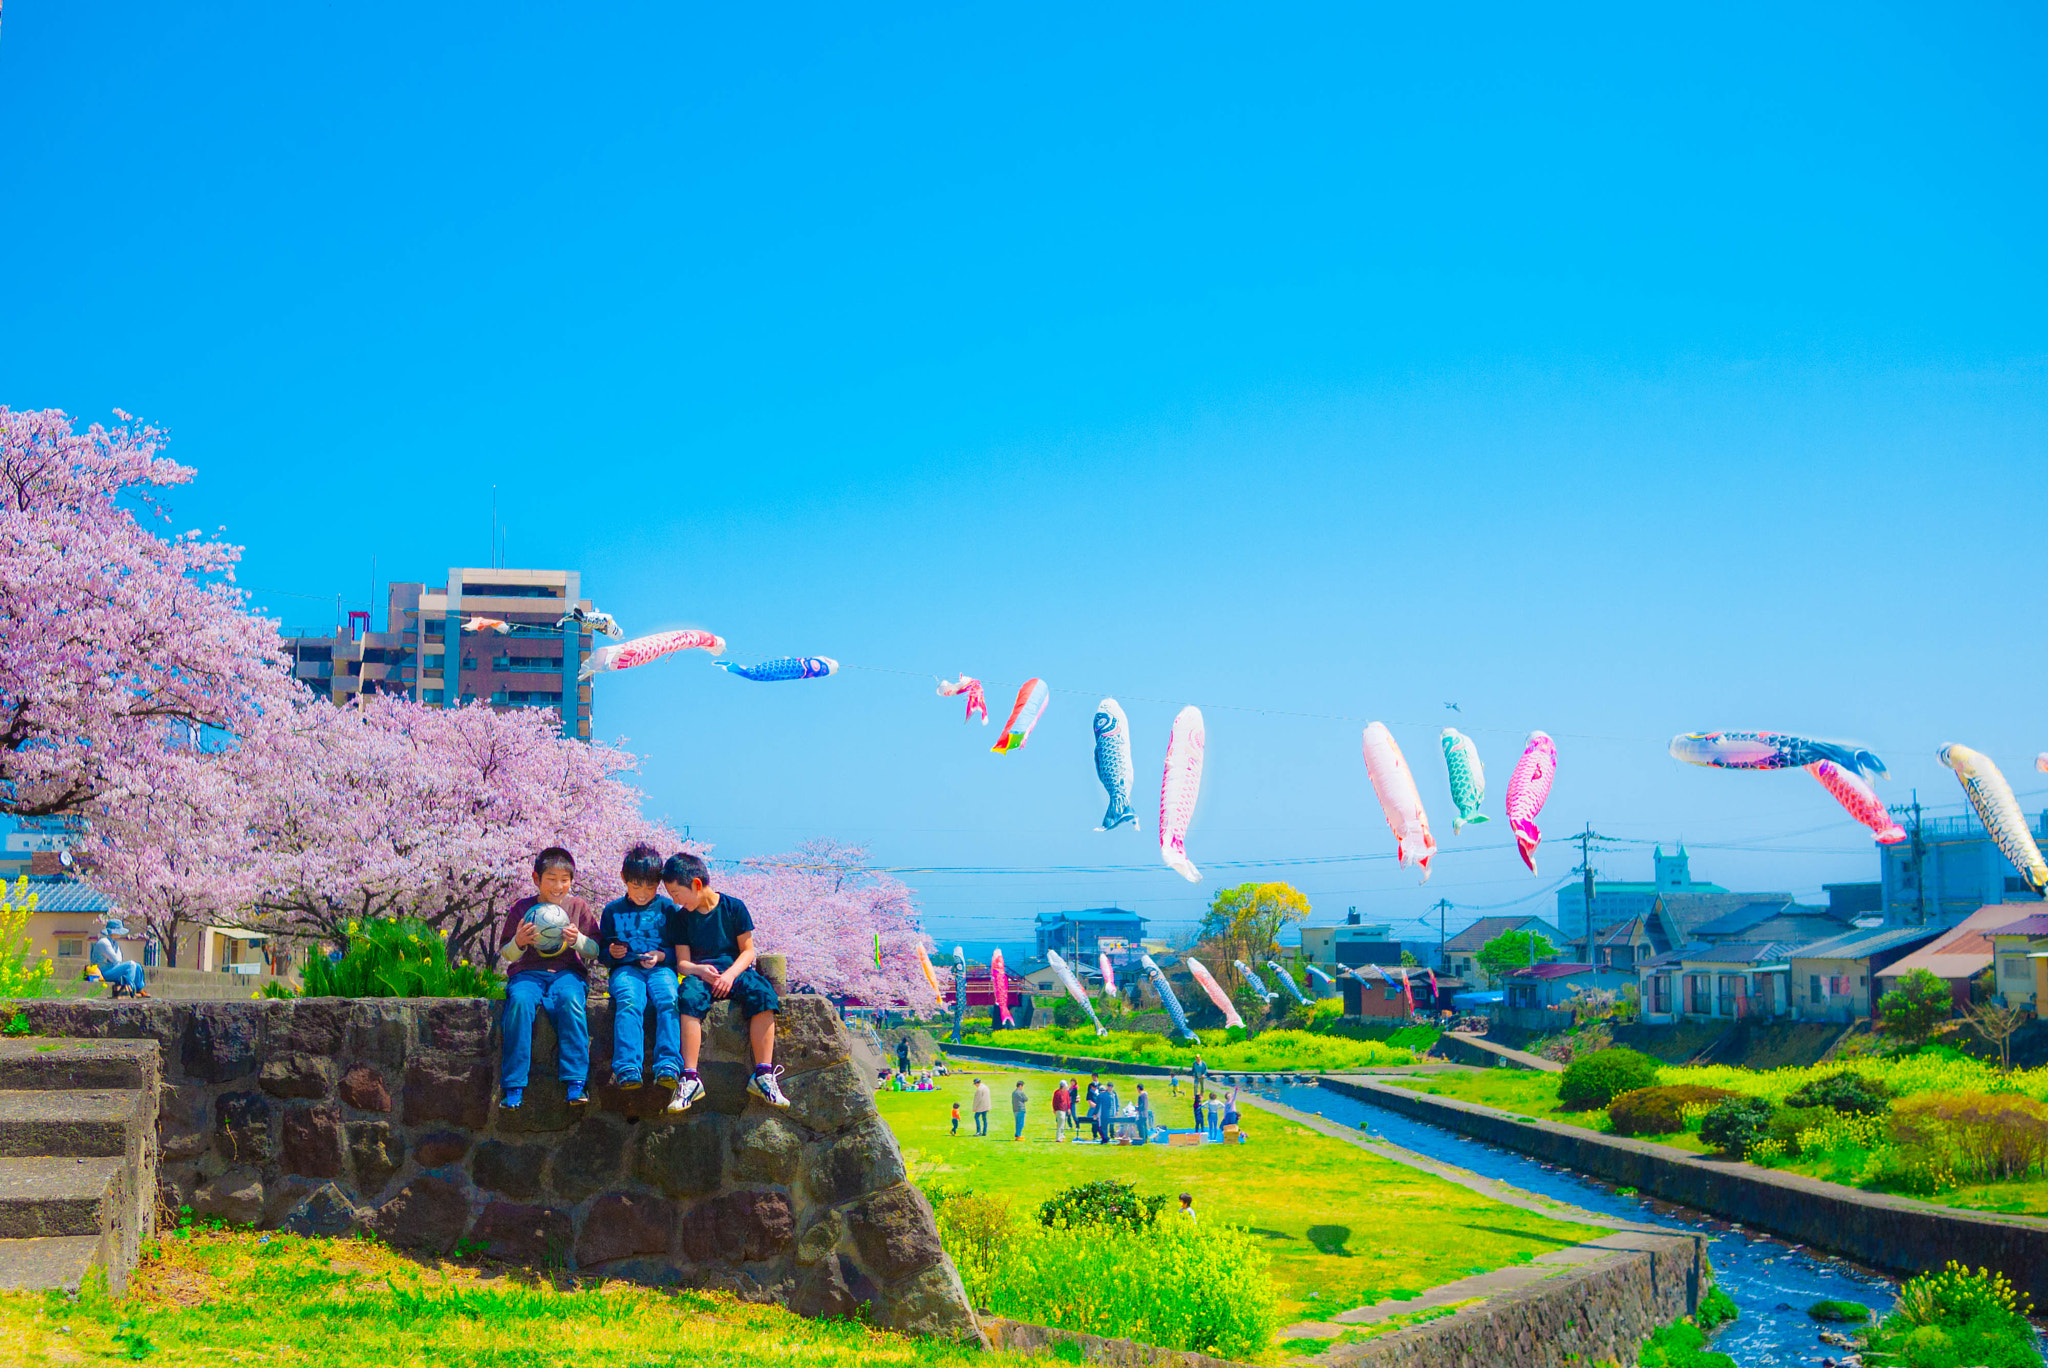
1617 374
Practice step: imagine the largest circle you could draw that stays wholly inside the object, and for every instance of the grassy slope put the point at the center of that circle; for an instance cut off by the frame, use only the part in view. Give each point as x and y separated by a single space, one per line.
1340 1222
277 1300
1275 1049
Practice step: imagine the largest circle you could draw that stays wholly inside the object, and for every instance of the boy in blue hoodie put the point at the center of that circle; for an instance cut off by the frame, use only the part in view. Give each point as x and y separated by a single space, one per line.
639 940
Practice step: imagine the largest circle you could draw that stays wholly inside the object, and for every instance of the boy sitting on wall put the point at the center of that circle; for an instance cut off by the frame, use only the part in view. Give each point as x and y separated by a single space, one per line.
638 934
715 956
547 942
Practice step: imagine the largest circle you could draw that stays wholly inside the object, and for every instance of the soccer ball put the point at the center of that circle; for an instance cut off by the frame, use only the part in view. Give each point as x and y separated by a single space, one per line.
551 928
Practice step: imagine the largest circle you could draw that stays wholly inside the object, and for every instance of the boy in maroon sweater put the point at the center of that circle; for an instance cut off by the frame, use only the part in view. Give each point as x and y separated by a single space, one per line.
543 974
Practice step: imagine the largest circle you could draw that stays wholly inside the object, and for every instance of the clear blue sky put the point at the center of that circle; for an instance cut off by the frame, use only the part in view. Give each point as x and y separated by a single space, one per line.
1616 374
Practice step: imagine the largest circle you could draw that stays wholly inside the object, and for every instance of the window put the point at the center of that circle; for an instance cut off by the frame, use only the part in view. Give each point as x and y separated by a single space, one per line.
434 626
70 947
2015 884
433 695
434 662
1813 993
469 662
316 653
510 591
1838 986
2015 966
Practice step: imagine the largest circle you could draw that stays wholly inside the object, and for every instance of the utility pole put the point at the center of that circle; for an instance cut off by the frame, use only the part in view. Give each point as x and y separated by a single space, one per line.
1442 910
1919 859
1585 840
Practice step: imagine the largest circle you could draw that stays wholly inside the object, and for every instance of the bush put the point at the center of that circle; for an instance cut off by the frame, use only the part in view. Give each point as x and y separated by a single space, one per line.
1739 1123
1847 1091
1957 1317
1988 1137
1102 1202
1839 1312
1598 1078
397 958
1657 1111
976 1230
1911 1011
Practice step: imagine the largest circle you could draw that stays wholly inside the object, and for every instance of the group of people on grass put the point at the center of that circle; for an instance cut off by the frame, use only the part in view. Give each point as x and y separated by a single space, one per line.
673 945
1099 1108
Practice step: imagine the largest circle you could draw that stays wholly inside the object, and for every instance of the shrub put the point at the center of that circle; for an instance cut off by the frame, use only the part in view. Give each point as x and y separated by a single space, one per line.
1105 1201
1988 1137
1739 1123
1911 1011
1839 1312
1716 1309
1847 1091
1955 1317
1657 1111
1596 1079
23 969
976 1230
397 958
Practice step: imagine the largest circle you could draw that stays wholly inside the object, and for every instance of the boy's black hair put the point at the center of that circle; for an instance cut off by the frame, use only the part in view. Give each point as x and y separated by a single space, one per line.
683 867
642 865
554 857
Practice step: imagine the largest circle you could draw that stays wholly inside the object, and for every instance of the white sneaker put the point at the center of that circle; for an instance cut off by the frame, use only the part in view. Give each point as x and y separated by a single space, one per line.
764 1086
688 1090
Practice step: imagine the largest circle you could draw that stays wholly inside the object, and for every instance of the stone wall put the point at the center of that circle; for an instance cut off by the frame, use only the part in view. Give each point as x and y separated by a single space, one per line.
325 1116
1896 1234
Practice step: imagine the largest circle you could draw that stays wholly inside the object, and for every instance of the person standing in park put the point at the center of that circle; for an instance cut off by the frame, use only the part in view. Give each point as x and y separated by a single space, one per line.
638 933
956 1117
1201 1072
715 955
1198 1110
546 976
903 1054
1107 1098
122 973
1019 1104
1144 1116
983 1100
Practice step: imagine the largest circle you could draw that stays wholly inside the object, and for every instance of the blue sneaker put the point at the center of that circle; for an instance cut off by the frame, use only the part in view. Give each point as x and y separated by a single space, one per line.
514 1099
577 1096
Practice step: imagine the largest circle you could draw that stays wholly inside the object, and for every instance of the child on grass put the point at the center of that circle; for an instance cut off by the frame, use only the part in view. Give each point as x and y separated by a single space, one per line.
715 955
637 932
536 982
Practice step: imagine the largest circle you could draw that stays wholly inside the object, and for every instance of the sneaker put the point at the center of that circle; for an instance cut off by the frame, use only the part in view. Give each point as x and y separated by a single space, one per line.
688 1090
514 1099
764 1086
577 1096
625 1084
666 1081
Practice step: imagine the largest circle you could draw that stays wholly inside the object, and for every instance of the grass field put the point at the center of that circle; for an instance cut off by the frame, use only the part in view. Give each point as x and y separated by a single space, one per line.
1267 1050
220 1299
1345 1227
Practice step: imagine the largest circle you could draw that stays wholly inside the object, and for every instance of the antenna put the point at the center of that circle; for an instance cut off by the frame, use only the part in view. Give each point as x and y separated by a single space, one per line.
494 527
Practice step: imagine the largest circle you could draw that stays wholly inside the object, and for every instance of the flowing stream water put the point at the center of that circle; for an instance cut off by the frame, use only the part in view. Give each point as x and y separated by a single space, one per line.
1772 1281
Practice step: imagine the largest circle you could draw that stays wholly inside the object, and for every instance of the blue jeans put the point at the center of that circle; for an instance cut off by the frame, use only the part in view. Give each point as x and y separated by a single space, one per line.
126 974
633 989
1020 1125
527 993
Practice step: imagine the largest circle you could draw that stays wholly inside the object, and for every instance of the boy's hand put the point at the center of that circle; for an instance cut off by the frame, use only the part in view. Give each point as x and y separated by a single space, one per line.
721 984
618 949
650 959
526 935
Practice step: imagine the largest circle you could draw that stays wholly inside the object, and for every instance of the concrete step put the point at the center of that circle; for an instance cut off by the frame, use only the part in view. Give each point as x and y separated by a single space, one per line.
50 1196
31 1062
69 1122
55 1261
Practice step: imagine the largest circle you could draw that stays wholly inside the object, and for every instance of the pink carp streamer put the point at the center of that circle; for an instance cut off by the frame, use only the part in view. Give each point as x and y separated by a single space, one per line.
1394 782
484 624
1215 992
2041 762
977 701
1528 791
1000 981
1179 787
641 650
1024 715
1859 800
1108 974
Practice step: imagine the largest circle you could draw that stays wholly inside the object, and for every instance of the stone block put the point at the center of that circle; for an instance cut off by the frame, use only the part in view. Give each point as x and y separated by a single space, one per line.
513 1170
282 1193
545 1110
457 1026
523 1234
437 1148
241 1127
834 1287
829 1099
931 1302
894 1232
297 1075
621 1225
379 1032
376 1150
312 1141
327 1213
315 1026
221 1042
363 1088
765 1149
739 1227
447 1087
686 1159
183 1124
235 1196
589 1160
428 1213
809 1034
861 1161
821 1237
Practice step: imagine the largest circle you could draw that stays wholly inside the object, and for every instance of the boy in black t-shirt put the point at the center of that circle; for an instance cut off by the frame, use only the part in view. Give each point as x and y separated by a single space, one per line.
715 954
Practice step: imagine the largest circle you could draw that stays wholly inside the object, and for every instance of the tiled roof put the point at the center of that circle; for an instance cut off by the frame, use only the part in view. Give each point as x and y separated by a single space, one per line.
1699 952
1964 950
1552 971
67 895
1475 936
1622 934
1859 944
2026 926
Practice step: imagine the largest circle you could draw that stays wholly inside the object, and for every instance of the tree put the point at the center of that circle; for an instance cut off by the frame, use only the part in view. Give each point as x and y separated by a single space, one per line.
1244 923
117 646
823 905
1512 950
1997 1024
1913 1008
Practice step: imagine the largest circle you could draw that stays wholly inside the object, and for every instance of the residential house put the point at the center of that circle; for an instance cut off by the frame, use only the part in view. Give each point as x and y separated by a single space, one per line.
1729 981
1371 994
1536 995
1461 952
1089 932
2020 950
1960 953
1831 978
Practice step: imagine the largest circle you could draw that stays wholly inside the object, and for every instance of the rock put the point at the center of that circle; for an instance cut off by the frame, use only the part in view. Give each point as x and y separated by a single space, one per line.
623 1224
447 1087
241 1127
312 1141
765 1149
523 1234
297 1075
315 1026
589 1161
683 1160
863 1160
378 1032
932 1302
1837 1339
828 1100
821 1238
545 1110
808 1034
363 1088
375 1151
514 1170
235 1196
180 1132
833 1287
437 1148
460 1026
427 1213
895 1233
740 1227
328 1213
220 1042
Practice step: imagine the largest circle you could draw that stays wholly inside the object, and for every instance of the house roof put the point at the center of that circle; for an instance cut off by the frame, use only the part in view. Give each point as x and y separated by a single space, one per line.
1862 944
1553 971
1755 914
1622 934
67 895
1474 937
1092 914
1690 908
1964 950
1740 952
2026 926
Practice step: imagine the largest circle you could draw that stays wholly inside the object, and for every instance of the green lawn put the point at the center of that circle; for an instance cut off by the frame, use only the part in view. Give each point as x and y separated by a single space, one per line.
1270 1050
1344 1226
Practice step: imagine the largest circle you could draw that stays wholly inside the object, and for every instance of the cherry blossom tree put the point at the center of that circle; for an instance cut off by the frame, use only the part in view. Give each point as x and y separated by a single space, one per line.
822 905
116 645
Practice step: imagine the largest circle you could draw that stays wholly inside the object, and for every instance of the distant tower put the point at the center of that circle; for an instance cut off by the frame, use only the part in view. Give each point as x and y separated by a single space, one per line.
1674 872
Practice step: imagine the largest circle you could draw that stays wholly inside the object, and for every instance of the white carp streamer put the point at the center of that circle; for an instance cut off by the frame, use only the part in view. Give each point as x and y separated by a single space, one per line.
1073 987
1215 992
642 650
1998 810
1394 782
1179 787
